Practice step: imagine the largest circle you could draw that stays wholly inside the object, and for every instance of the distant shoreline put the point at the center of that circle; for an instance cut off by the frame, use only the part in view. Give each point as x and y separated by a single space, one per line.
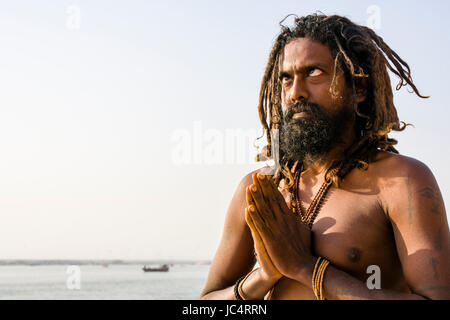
37 262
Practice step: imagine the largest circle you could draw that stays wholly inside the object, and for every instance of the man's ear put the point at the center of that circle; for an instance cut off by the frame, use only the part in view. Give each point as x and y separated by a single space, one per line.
361 86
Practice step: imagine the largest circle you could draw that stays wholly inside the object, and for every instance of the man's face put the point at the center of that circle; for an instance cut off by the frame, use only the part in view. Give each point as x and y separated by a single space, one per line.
314 120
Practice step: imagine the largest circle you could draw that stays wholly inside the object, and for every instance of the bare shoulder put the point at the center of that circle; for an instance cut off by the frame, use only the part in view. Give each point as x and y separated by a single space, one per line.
239 201
240 192
403 181
400 163
247 180
391 169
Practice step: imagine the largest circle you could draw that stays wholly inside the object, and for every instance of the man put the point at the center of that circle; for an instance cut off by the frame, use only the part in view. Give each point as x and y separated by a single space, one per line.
343 201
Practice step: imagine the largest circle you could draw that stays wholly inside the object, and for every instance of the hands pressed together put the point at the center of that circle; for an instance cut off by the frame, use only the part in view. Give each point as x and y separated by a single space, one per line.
282 241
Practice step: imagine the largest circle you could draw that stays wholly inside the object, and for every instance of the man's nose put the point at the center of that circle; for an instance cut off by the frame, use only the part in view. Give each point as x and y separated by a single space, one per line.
298 90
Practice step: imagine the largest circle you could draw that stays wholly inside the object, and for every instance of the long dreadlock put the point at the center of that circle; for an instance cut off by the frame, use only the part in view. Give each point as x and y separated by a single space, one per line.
359 53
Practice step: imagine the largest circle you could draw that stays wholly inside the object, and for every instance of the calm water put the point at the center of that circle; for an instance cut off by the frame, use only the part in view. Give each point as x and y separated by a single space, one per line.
97 282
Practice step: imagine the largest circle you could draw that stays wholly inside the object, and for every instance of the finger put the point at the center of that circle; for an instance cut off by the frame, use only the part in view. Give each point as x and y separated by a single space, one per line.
251 225
257 177
285 206
280 209
249 196
267 239
252 202
260 249
260 202
259 205
271 194
270 190
260 224
256 232
259 245
279 196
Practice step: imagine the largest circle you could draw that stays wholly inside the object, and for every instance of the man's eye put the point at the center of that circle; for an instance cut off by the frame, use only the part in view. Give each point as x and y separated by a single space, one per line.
286 80
315 72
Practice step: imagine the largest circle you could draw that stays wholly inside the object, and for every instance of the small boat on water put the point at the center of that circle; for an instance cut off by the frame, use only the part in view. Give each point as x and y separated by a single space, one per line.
163 268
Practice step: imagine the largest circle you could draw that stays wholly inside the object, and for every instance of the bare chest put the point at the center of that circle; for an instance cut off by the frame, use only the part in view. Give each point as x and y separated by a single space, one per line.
352 231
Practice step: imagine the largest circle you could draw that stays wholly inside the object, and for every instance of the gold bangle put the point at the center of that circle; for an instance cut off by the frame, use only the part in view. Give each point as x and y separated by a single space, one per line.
314 276
318 276
242 282
319 280
326 263
269 297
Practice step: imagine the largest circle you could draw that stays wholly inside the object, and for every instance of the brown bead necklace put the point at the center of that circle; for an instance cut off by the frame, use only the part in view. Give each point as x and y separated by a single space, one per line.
311 213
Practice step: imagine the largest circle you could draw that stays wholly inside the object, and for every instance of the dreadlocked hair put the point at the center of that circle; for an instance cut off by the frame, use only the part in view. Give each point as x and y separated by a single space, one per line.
359 53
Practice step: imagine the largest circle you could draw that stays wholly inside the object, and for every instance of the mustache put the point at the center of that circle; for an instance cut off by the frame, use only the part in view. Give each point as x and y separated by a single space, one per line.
312 108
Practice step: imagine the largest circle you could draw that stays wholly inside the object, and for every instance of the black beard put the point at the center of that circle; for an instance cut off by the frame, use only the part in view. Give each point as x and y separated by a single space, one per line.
313 137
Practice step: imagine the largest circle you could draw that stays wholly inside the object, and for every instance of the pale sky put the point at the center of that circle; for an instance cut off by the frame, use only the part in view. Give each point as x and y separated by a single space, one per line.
99 99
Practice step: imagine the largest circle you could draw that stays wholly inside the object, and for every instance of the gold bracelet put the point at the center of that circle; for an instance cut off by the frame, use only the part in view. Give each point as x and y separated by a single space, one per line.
269 296
242 282
317 278
326 263
314 276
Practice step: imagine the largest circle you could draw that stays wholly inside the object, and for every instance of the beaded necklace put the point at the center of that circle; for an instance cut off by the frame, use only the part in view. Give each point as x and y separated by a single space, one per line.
310 215
313 209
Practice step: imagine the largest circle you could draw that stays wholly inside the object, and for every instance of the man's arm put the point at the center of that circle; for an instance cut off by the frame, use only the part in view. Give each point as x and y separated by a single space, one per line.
416 210
235 255
421 231
417 214
414 205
